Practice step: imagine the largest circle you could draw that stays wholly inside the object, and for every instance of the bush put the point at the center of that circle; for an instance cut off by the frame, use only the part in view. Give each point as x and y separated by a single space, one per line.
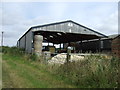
94 71
12 50
34 57
18 52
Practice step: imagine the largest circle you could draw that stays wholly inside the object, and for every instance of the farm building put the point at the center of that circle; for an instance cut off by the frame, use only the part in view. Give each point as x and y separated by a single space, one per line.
116 46
104 45
65 32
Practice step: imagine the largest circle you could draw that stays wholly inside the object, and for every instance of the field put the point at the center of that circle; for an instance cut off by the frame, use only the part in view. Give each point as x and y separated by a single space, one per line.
21 70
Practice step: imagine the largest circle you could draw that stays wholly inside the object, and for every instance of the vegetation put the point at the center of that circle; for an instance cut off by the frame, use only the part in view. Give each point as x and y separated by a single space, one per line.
93 72
20 71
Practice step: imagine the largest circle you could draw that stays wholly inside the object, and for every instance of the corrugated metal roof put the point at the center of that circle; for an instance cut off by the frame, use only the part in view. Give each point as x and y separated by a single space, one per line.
70 21
102 35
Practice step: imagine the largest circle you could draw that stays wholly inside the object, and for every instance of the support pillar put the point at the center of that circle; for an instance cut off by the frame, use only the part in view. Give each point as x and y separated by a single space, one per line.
68 54
38 39
81 47
60 46
63 45
99 45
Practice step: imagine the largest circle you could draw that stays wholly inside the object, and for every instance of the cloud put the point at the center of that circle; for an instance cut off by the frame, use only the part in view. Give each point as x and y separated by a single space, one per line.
15 31
15 25
59 0
119 17
58 9
19 17
101 17
109 25
14 22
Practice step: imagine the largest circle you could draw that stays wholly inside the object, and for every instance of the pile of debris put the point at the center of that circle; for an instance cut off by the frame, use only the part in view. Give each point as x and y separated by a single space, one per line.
61 58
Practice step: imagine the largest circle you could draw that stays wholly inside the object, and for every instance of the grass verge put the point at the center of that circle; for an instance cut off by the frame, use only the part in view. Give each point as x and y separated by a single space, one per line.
93 72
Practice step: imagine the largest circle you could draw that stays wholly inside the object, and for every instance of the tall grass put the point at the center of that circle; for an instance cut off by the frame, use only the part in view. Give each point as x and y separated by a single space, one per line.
93 72
18 53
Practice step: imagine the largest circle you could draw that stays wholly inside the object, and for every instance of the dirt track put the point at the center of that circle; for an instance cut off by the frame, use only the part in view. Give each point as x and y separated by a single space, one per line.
17 74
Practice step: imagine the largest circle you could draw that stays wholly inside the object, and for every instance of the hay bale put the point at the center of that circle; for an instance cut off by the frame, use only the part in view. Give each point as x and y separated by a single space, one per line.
61 59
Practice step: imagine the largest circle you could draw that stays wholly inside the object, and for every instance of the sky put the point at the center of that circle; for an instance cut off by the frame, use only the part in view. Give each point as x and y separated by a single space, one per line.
17 17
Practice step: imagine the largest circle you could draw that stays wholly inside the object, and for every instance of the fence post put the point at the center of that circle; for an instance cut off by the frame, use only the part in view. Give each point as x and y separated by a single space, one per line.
68 54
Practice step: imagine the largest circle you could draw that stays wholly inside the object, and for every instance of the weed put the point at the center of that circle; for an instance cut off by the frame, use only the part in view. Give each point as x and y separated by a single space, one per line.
96 71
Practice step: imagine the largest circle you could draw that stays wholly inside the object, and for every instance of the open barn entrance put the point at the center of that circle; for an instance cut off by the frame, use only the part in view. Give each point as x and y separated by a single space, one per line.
63 39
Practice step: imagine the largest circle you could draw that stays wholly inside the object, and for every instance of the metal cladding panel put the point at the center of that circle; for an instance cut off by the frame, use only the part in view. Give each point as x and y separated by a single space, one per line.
22 42
89 46
68 27
107 44
18 44
29 39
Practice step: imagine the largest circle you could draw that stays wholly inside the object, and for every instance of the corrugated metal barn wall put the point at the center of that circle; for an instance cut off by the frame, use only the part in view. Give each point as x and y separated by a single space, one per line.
107 45
90 46
95 46
29 42
26 42
66 27
22 42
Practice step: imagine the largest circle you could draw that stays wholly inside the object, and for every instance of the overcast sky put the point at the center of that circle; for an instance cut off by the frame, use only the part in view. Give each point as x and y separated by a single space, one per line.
18 17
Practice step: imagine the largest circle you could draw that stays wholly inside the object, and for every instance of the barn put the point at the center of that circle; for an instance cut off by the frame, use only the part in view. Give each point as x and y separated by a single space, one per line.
94 45
65 32
116 46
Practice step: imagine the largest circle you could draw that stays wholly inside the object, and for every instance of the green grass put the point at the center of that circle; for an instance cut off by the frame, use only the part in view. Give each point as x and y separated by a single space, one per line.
30 74
93 72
